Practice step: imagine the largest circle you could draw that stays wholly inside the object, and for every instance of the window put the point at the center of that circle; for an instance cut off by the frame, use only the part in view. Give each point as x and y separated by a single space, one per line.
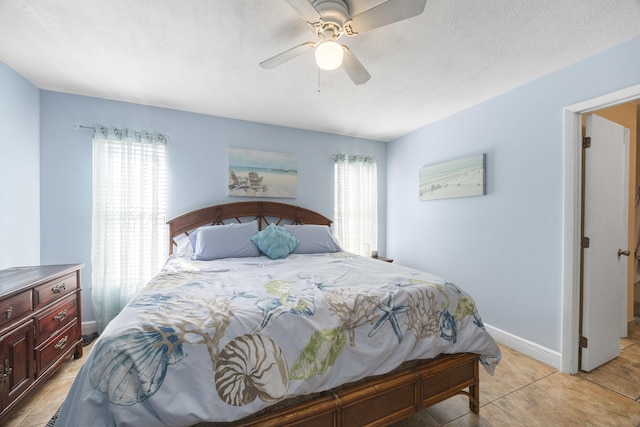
356 203
128 220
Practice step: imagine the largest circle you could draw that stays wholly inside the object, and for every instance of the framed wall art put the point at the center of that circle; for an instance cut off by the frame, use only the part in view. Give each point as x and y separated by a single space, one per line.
262 173
456 178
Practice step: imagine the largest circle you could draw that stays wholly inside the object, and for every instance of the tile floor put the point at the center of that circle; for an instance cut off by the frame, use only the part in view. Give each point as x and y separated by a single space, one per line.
523 392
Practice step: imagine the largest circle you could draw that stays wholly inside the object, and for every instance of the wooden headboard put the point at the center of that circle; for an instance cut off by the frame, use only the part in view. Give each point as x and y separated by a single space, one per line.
264 212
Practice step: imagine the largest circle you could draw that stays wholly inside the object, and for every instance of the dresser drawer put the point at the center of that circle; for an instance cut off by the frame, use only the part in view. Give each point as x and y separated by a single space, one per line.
15 307
51 350
51 320
53 290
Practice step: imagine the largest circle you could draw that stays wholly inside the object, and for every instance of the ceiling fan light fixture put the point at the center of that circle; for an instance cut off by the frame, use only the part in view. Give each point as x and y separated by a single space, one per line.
329 55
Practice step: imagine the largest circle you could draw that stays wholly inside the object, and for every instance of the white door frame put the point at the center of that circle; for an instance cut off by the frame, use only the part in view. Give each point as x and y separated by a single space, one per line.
571 219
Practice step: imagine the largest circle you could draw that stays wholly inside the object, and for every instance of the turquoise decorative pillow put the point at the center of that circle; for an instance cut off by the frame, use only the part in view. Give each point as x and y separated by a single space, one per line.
275 242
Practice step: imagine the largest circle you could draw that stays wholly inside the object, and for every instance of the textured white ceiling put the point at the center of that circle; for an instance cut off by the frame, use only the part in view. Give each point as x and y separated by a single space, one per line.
202 56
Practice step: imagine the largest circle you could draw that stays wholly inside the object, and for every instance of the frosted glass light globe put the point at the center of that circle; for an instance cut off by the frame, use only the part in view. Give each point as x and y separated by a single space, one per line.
329 55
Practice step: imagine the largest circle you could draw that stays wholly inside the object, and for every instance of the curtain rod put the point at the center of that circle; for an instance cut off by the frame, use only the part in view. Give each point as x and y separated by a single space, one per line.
103 129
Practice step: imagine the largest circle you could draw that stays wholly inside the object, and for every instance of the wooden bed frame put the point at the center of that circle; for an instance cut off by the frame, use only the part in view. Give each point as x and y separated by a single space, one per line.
376 401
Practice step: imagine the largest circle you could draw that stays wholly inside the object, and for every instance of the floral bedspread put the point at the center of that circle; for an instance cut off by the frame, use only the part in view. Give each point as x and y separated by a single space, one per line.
219 340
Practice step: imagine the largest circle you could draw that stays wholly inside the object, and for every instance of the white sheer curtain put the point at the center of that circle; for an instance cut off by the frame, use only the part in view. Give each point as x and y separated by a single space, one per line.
128 223
356 203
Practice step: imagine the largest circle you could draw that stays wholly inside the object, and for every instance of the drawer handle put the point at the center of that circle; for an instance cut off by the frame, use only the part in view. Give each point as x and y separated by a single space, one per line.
61 315
9 312
61 343
58 288
8 370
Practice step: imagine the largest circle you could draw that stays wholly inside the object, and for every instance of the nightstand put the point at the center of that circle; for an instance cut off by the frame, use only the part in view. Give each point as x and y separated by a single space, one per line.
381 258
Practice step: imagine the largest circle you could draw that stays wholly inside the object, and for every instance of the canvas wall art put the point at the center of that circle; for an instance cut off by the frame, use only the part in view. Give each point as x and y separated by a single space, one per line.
255 173
456 178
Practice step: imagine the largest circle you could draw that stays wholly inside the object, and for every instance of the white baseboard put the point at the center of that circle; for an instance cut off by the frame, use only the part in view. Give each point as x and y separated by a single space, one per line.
89 327
526 347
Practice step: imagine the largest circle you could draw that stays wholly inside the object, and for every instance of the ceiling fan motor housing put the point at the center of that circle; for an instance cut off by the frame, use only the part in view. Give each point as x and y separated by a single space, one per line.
334 14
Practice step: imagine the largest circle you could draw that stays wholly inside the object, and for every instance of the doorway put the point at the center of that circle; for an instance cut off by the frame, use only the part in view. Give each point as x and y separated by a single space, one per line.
571 239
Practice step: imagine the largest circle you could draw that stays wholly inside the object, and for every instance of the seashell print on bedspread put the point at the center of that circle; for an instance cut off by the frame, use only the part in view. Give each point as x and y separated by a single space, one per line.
251 366
241 334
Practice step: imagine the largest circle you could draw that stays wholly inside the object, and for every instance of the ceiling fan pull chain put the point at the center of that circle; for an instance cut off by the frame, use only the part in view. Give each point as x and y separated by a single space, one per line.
318 80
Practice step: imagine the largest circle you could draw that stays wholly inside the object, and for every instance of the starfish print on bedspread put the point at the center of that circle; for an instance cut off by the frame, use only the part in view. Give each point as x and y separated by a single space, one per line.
390 311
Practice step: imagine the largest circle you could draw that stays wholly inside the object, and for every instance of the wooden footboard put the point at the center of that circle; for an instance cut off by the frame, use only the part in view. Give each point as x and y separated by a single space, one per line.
385 399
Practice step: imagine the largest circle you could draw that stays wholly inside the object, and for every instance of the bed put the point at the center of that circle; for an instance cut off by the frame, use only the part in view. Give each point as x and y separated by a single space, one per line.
259 318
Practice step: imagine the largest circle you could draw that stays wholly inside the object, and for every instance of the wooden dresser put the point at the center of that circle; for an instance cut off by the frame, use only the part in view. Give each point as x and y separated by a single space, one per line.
40 327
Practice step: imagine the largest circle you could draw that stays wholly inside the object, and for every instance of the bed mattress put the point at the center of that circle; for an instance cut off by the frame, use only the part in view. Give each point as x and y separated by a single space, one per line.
219 340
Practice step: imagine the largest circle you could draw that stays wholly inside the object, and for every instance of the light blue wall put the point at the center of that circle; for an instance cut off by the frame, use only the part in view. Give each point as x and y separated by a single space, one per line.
505 248
19 170
197 166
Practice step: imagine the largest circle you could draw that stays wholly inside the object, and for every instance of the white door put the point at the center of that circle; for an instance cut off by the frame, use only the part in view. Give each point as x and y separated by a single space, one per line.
605 224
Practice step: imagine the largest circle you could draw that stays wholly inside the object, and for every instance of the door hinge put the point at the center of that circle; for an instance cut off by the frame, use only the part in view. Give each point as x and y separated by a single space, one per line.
586 142
584 342
584 242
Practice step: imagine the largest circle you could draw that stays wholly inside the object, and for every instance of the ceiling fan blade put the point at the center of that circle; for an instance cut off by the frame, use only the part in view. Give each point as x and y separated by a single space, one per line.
287 55
354 68
386 13
305 10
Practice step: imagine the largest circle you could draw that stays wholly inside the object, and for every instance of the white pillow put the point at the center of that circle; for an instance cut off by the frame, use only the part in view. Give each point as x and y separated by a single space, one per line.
183 245
225 241
314 239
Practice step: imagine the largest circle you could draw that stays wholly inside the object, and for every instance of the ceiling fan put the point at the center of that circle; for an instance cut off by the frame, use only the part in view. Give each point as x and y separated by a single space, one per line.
330 19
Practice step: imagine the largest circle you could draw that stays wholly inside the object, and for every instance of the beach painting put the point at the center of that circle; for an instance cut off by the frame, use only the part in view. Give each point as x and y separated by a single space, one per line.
456 178
255 173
